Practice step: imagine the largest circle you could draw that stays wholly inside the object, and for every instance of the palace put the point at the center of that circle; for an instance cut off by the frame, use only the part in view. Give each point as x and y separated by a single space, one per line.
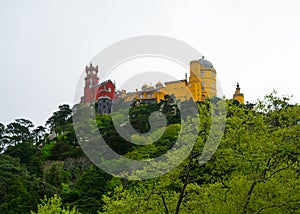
200 85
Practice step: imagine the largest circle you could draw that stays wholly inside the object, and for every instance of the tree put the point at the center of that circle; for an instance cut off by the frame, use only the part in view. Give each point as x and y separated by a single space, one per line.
3 138
27 154
18 193
38 134
90 187
254 170
19 131
60 118
53 205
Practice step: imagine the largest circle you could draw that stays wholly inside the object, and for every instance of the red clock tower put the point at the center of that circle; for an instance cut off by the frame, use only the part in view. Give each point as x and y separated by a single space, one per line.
91 80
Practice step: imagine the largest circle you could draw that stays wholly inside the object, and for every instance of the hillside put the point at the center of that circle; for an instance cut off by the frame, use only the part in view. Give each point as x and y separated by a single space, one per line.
255 169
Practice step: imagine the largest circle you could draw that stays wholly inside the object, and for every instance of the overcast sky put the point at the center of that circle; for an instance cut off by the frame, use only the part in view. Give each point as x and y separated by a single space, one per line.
45 45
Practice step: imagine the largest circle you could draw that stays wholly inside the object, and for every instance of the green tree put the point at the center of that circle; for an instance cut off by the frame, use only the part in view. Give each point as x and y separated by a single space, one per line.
28 156
38 134
19 131
3 138
53 205
60 118
18 193
90 187
254 170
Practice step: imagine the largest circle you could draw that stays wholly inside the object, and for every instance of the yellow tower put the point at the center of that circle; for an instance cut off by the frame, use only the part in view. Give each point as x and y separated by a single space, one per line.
238 95
202 81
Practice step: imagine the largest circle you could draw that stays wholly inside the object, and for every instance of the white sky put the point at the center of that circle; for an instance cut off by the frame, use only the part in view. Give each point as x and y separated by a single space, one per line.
45 45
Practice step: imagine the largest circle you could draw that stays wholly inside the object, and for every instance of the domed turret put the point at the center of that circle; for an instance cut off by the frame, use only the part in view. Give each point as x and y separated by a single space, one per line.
159 85
145 86
205 62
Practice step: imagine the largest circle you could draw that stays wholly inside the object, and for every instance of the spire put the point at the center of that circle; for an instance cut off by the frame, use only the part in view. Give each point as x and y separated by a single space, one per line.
238 89
238 95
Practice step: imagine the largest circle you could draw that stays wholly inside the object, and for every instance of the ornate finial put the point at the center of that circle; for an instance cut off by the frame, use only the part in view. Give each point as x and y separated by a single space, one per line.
202 57
237 85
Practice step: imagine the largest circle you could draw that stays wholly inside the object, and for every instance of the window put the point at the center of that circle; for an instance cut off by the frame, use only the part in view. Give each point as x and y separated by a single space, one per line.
202 73
213 74
202 89
213 84
190 85
203 83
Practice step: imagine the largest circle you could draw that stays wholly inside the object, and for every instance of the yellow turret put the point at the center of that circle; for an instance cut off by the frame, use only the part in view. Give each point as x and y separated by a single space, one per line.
238 95
202 82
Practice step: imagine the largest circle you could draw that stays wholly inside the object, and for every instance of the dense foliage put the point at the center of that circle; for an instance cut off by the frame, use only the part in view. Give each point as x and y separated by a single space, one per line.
254 170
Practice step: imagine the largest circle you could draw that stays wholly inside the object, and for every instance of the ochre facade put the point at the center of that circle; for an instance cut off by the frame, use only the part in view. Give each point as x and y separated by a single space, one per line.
200 85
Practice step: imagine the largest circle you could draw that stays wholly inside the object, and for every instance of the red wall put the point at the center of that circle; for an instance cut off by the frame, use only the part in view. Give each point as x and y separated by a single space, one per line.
106 89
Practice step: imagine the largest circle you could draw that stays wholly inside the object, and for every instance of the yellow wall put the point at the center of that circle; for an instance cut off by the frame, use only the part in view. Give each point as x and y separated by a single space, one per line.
148 95
128 97
178 89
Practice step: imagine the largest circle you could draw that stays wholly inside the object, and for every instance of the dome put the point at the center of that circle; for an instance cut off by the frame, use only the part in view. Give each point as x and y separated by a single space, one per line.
205 63
145 86
159 85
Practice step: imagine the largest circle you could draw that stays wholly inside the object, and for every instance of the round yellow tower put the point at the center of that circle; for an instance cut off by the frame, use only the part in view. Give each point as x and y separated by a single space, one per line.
202 81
